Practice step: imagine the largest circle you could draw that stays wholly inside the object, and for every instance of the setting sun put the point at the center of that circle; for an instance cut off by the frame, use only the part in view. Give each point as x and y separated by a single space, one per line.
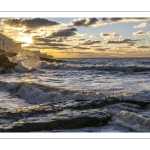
26 39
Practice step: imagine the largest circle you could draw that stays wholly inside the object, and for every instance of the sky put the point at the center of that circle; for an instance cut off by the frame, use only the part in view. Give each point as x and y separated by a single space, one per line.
81 37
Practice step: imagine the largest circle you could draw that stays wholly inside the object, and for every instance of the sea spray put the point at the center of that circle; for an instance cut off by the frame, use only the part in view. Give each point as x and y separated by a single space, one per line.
26 62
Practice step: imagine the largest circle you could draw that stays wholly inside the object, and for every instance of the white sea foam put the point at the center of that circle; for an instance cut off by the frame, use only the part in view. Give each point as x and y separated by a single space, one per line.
26 63
133 121
9 102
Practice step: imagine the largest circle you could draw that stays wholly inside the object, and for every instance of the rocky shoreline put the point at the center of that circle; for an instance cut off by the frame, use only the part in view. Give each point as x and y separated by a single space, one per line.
6 66
71 114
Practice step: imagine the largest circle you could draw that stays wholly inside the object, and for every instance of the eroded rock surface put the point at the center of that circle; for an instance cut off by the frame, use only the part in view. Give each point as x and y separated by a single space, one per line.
65 114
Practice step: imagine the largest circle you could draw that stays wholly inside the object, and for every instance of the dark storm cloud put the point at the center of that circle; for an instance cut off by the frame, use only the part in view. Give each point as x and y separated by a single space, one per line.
64 32
85 22
30 23
143 47
89 42
122 41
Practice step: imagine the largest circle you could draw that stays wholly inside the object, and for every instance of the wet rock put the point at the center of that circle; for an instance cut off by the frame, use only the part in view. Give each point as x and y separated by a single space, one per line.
106 102
65 114
6 66
95 103
141 103
3 58
62 121
9 54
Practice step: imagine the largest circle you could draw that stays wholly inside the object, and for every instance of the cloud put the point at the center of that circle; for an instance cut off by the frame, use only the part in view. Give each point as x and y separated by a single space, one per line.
32 23
2 31
130 44
64 32
138 32
141 25
114 20
70 39
58 48
89 42
148 32
124 41
143 47
102 49
13 22
108 35
38 22
45 39
85 22
95 46
96 22
28 31
79 47
81 39
92 36
52 44
50 47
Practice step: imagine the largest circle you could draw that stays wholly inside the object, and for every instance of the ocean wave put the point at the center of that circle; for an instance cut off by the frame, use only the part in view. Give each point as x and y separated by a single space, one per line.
26 63
69 66
35 93
134 121
31 63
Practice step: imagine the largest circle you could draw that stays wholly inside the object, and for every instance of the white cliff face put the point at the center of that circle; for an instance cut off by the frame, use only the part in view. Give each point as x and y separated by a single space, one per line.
8 44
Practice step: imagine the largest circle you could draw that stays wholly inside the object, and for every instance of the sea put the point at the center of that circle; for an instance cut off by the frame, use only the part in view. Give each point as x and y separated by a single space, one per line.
34 82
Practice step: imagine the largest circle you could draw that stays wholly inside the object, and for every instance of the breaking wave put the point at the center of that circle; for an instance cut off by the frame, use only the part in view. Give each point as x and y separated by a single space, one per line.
35 93
30 63
26 63
134 121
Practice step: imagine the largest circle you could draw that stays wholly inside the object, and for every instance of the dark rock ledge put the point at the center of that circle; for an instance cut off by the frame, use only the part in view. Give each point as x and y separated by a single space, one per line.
64 114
